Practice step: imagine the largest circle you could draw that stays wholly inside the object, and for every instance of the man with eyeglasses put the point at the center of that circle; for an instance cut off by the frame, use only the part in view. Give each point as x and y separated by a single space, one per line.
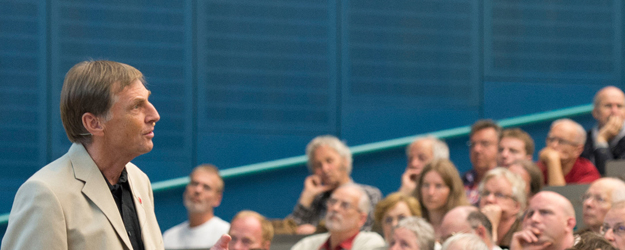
613 228
348 207
547 224
201 196
598 200
467 219
606 139
483 147
560 160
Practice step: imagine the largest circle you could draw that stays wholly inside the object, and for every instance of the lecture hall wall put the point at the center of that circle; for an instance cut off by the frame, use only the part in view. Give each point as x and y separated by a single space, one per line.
240 81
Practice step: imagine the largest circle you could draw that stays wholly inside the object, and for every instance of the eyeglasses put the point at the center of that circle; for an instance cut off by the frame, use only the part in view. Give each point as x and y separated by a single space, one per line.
484 144
498 195
597 198
389 220
618 229
344 205
560 141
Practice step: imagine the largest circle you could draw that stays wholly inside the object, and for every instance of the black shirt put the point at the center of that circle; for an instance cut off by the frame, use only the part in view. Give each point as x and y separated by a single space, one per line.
123 198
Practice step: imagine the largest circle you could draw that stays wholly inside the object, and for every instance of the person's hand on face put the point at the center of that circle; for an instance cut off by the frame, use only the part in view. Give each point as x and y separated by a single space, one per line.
610 129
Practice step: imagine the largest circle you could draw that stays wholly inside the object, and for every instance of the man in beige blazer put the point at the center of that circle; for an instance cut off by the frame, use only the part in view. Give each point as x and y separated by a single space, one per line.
93 197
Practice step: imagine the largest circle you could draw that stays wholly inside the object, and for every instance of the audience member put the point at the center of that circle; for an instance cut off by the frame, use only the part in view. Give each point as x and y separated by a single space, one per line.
592 241
93 197
597 201
464 241
605 140
613 228
548 224
439 190
420 152
503 200
330 162
514 144
396 206
483 143
250 230
467 219
201 196
348 207
531 174
560 161
412 233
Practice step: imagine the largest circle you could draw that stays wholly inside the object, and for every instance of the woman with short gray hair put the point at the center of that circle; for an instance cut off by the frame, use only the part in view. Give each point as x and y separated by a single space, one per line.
412 233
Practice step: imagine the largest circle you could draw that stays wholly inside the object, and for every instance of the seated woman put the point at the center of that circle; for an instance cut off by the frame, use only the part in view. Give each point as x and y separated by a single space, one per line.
439 190
412 233
503 201
393 208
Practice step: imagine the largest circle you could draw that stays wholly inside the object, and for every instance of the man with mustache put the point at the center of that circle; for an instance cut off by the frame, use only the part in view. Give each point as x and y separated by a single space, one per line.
201 196
548 224
348 207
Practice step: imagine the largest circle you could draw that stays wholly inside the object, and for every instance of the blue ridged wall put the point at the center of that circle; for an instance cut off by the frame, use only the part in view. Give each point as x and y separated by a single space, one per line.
239 82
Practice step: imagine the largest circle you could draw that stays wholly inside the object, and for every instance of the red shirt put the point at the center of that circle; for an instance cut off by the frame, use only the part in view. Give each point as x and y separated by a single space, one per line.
583 171
346 244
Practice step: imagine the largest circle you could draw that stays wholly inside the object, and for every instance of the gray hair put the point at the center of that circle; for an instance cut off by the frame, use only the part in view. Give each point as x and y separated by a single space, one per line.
466 240
364 204
421 228
516 182
581 133
334 143
440 150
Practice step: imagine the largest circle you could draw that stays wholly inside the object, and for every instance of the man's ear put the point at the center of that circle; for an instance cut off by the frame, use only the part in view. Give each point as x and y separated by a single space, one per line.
570 223
267 245
92 124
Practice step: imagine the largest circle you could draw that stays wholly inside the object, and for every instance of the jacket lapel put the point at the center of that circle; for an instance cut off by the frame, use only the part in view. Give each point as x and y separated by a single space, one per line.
96 189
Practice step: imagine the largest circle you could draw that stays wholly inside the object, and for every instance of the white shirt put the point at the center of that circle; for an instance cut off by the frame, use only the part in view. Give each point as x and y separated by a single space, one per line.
202 236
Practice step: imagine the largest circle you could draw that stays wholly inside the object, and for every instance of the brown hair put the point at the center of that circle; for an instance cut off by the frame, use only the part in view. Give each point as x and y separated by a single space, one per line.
448 172
537 179
212 169
484 124
517 133
265 225
89 87
391 200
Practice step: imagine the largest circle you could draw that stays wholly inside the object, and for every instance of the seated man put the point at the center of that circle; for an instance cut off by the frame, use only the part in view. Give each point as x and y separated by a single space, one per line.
250 230
467 219
202 195
483 146
514 144
597 201
548 224
464 241
560 160
420 152
348 207
605 140
330 162
614 225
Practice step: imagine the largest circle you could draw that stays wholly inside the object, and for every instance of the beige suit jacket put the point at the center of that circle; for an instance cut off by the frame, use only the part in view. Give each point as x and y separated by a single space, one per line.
68 205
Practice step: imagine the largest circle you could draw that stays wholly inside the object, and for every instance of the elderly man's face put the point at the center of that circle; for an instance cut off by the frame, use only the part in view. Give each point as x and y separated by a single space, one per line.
420 153
614 227
563 138
202 193
611 103
329 166
246 233
498 191
403 239
483 152
596 202
343 212
510 150
547 215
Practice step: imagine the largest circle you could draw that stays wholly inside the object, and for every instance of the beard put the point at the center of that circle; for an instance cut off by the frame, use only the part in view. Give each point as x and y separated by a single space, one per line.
195 207
335 222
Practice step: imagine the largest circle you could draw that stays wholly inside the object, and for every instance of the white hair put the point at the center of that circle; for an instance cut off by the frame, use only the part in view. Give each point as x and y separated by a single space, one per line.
465 241
364 205
334 143
440 150
421 228
516 183
581 133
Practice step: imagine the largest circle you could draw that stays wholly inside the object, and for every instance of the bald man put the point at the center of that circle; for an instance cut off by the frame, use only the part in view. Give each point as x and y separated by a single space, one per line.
605 140
467 219
560 161
548 224
598 200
